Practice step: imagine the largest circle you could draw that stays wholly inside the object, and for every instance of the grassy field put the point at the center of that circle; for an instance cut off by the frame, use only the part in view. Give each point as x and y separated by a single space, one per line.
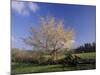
31 68
91 55
22 68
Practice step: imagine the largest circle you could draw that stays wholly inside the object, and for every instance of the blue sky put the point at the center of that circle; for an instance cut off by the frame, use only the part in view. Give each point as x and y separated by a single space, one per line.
81 18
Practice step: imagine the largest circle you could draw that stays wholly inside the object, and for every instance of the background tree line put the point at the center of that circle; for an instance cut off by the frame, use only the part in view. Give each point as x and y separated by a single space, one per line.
87 47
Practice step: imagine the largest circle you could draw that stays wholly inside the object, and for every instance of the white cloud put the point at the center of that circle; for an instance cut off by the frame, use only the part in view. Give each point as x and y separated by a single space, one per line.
33 6
19 7
24 8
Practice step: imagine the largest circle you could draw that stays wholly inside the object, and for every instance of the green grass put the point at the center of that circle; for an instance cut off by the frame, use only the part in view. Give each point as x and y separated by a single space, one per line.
36 68
31 68
91 55
22 68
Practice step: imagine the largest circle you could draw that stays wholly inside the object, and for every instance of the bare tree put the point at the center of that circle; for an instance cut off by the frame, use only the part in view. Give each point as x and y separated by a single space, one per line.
51 36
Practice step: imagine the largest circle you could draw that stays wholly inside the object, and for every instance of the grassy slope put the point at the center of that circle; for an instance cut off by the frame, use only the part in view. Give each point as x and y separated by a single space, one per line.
87 55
